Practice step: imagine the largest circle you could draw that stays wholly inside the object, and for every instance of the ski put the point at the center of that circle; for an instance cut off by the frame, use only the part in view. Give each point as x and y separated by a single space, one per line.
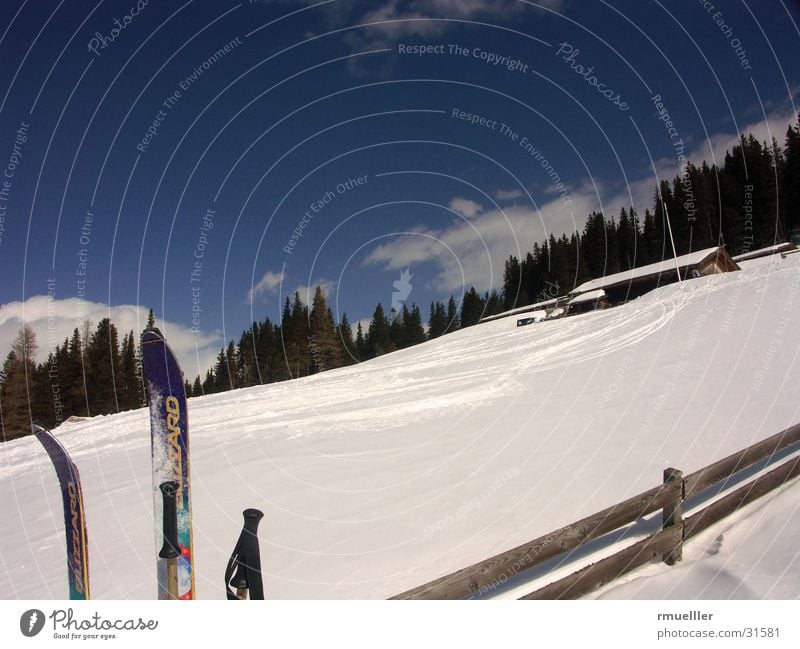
169 436
74 514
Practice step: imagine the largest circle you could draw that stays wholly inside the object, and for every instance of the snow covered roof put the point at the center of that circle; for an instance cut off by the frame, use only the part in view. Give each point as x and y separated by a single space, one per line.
534 316
522 309
589 296
665 266
764 252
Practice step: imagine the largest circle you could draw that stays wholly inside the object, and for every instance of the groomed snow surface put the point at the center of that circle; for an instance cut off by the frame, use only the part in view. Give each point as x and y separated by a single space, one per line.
376 478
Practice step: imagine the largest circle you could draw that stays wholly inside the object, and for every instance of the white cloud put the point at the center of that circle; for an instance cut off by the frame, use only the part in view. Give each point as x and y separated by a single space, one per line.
473 252
465 207
54 320
328 287
268 284
509 194
403 18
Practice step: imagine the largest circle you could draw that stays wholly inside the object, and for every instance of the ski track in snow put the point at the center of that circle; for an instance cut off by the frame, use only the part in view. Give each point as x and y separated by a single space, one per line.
382 476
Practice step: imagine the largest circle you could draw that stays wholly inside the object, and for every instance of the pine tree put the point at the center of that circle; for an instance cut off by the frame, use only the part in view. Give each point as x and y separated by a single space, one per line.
45 398
594 246
73 377
378 340
208 382
494 303
453 321
471 308
232 365
248 368
791 178
103 369
514 289
222 381
437 323
129 393
16 382
324 347
396 333
295 338
413 332
362 350
348 353
151 320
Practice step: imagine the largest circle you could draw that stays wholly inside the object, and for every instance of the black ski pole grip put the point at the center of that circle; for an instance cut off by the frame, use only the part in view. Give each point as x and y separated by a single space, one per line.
169 490
252 517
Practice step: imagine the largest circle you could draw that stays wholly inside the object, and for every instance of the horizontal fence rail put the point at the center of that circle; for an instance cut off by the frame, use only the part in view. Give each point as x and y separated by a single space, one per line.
719 471
666 544
501 567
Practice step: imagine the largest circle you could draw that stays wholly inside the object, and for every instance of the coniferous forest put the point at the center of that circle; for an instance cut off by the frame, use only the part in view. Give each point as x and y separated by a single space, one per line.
751 201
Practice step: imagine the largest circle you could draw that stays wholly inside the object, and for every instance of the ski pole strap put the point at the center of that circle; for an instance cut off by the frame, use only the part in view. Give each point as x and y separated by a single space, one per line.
169 550
243 571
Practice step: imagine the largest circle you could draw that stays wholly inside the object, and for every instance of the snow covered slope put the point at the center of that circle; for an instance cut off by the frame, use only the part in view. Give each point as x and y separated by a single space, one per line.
379 477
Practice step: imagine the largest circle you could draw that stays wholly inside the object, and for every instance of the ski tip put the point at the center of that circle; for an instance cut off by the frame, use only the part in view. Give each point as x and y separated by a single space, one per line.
37 430
152 335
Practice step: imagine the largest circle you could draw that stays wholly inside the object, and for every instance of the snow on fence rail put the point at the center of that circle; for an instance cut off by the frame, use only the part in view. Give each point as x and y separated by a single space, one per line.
665 544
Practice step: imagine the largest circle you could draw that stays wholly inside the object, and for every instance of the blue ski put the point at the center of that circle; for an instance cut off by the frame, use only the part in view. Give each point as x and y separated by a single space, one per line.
169 430
74 515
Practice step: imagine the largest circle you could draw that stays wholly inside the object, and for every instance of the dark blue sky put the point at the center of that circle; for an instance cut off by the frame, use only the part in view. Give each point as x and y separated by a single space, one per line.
143 116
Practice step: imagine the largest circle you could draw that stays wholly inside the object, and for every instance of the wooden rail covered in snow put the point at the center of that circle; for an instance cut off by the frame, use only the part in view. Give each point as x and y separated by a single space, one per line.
666 544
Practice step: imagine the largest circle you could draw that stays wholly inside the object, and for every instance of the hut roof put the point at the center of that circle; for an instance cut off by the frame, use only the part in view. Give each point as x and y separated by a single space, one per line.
684 263
589 296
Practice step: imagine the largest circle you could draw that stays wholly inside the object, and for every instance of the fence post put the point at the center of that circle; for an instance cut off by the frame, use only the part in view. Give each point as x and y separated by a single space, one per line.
673 513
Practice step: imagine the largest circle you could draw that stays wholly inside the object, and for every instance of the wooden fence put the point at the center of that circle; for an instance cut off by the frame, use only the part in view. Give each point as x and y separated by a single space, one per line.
666 544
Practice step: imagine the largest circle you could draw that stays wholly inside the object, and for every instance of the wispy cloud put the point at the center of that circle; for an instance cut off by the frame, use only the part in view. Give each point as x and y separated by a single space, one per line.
267 285
504 195
465 207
